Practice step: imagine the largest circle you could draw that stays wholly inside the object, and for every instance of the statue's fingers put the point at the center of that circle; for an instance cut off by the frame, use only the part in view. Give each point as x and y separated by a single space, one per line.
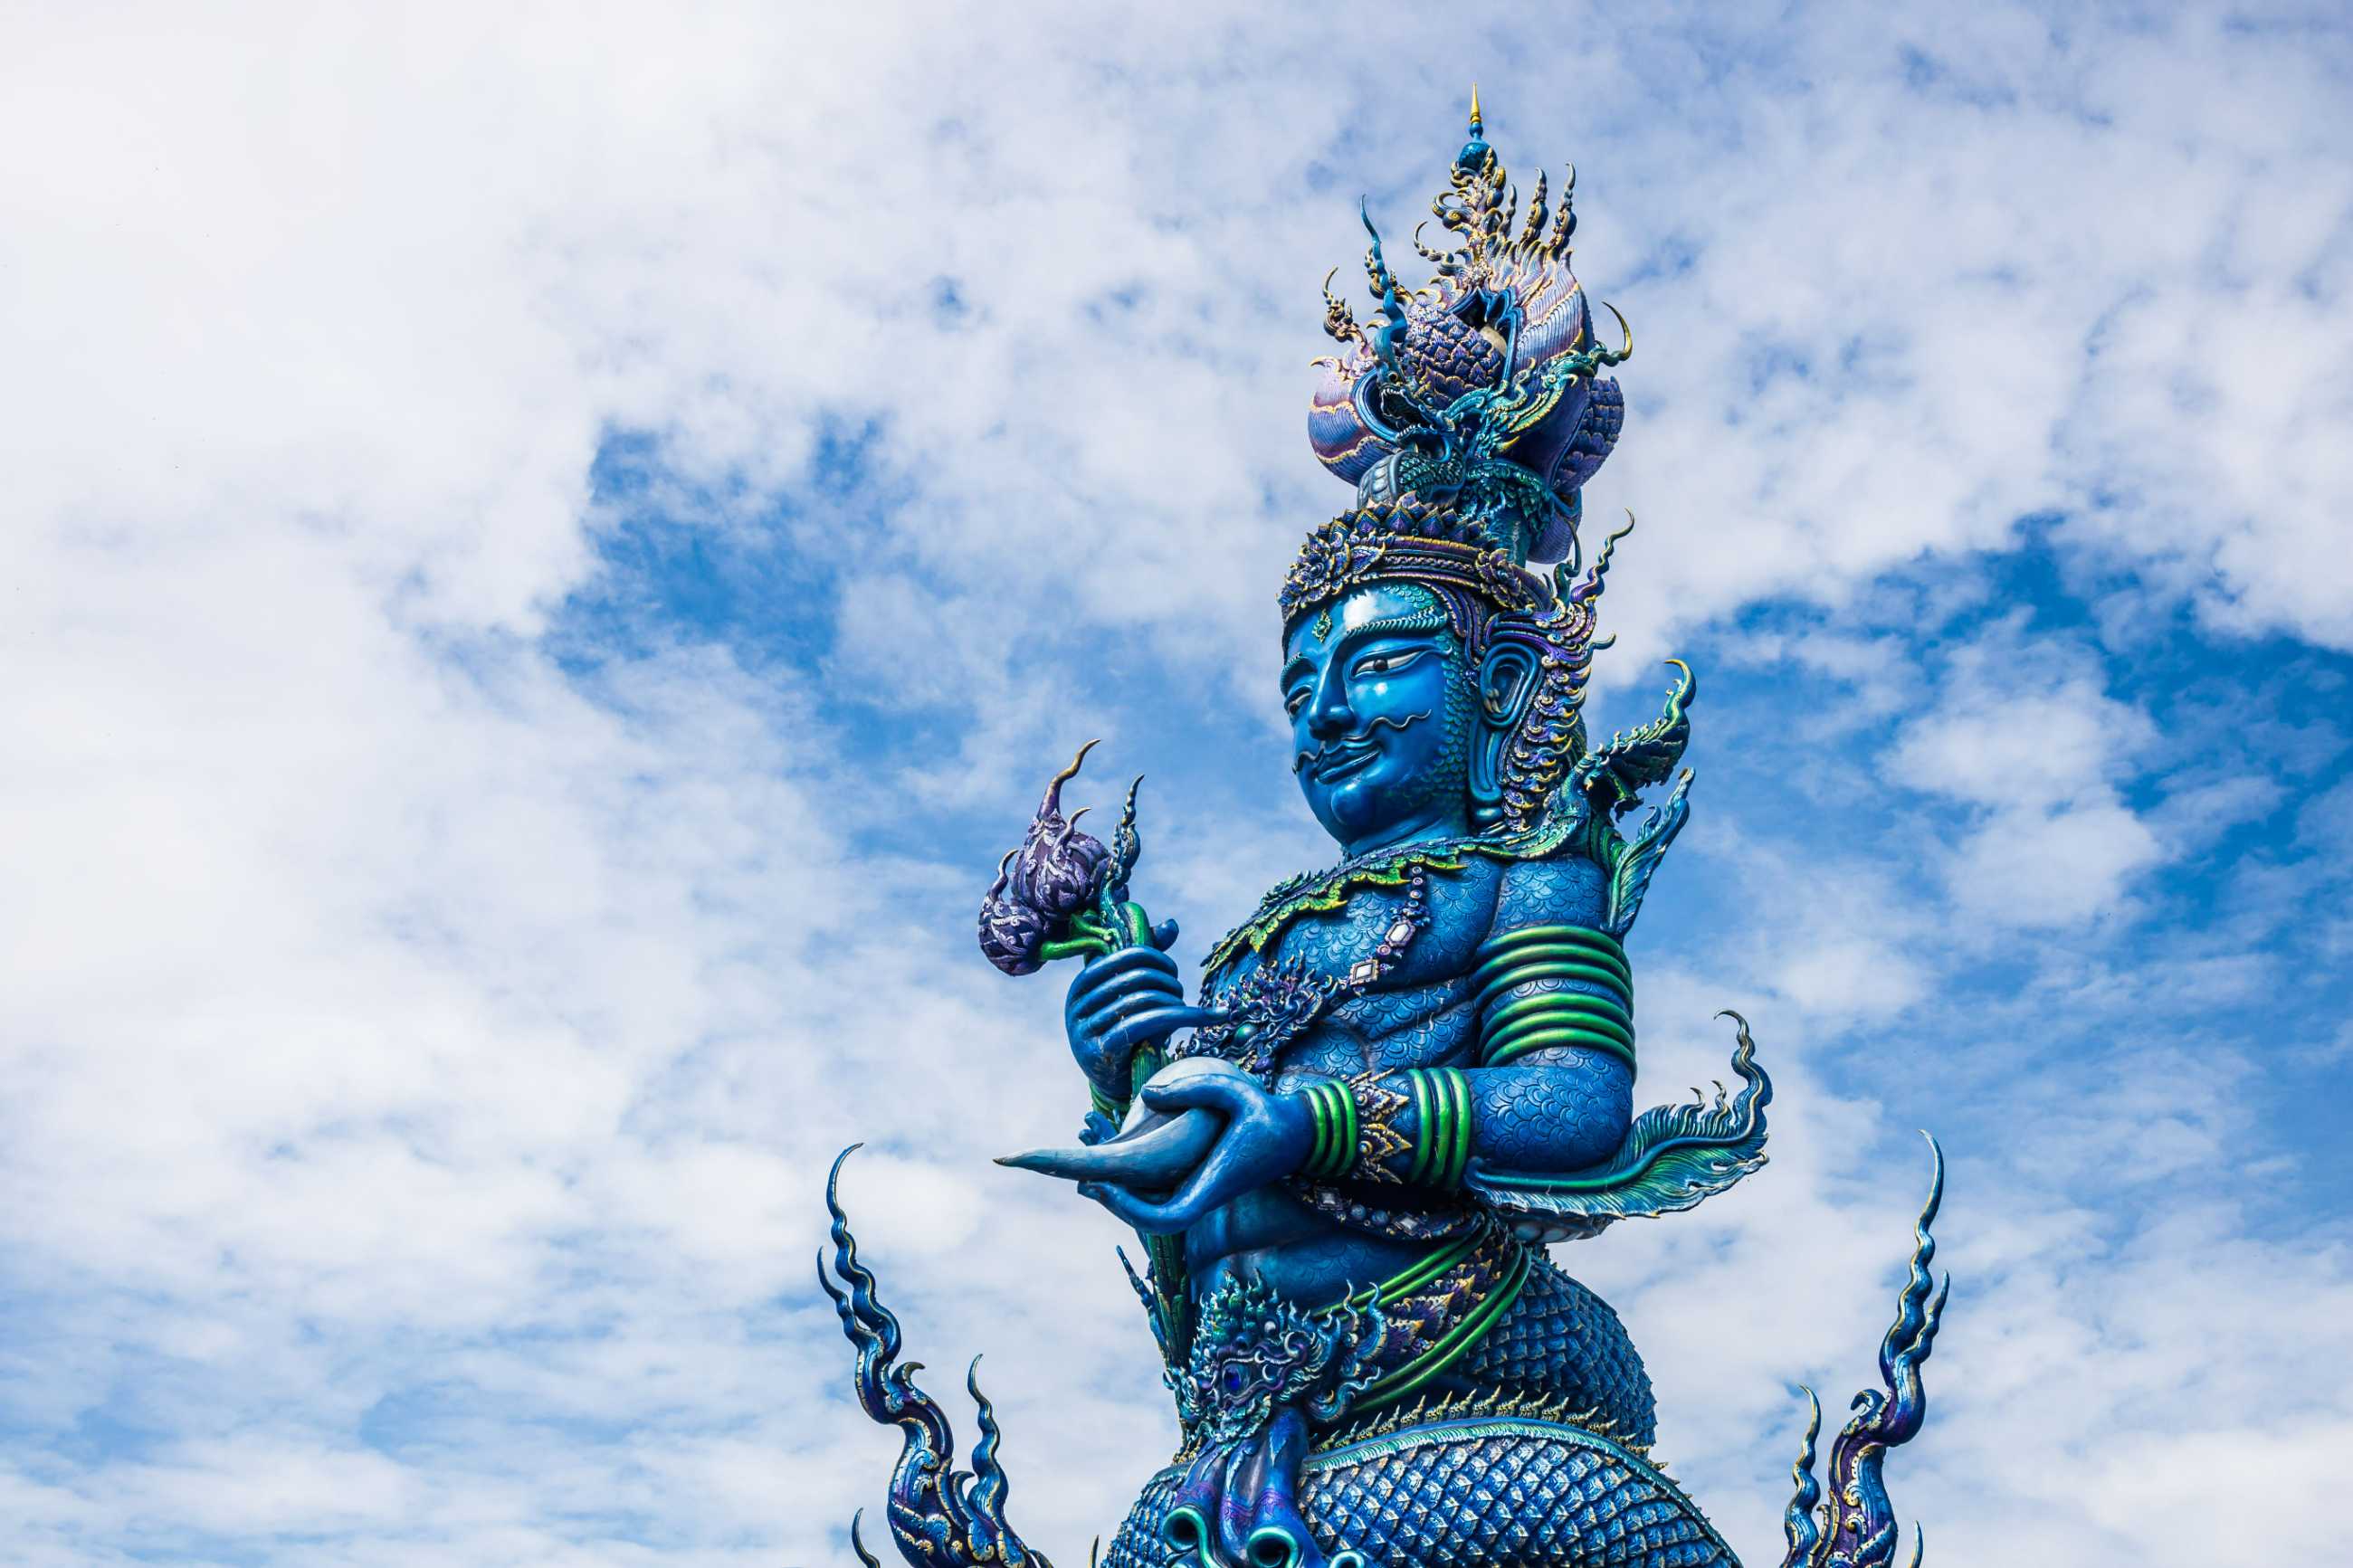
1103 972
1219 1092
1125 959
1132 983
1205 1189
1147 1218
1124 1000
1153 1026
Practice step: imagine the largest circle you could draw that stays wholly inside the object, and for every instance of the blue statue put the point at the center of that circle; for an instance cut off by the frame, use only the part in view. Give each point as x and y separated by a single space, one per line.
1406 1076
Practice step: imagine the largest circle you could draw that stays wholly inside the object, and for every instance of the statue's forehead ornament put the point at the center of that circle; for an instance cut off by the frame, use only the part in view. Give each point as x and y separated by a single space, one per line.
1470 413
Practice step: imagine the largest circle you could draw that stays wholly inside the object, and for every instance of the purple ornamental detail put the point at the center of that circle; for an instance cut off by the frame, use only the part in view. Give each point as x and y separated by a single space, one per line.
1062 892
1012 934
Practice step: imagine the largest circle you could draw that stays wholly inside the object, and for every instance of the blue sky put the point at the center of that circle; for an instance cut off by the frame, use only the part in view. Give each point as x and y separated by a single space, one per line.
547 556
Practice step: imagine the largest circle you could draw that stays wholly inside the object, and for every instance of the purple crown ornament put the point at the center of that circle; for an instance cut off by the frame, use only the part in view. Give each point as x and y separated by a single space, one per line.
1477 391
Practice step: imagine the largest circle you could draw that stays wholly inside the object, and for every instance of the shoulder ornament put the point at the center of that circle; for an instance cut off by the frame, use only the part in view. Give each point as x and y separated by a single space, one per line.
1611 780
1614 776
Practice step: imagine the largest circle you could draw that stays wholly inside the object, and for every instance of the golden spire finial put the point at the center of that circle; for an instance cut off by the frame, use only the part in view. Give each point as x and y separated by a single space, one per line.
1476 128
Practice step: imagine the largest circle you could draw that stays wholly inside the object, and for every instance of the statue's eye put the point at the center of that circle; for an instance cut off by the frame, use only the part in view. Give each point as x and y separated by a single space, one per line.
1384 663
1293 701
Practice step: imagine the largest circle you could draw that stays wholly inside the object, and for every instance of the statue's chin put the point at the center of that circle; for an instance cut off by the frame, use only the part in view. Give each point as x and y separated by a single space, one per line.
1355 813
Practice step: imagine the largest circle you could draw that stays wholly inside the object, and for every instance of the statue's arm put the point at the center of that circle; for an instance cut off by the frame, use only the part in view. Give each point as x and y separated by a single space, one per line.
1536 1118
1561 1109
1548 1082
1553 1004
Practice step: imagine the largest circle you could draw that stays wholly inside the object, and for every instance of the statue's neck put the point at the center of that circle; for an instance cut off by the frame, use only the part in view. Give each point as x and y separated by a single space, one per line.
1448 822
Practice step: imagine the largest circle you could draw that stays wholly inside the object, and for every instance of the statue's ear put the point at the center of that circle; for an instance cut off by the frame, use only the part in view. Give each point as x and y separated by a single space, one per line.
1507 678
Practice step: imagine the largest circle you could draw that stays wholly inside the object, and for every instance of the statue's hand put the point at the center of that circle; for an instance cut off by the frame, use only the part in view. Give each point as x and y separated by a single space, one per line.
1123 1001
1267 1137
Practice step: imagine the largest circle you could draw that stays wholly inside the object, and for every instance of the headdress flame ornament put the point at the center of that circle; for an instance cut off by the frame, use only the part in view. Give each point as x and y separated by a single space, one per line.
1471 414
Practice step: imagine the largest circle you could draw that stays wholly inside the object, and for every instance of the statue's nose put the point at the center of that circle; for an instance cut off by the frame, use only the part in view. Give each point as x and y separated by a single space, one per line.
1328 712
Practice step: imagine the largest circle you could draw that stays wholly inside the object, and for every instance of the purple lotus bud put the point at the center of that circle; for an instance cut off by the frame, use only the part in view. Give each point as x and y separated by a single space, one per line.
1053 891
1060 870
1012 934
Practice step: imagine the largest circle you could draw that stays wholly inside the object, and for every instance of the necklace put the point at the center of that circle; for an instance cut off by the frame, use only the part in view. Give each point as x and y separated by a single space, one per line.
1313 892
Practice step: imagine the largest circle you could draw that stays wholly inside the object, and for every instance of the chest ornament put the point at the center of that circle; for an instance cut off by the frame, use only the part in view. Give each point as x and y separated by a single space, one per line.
1275 1003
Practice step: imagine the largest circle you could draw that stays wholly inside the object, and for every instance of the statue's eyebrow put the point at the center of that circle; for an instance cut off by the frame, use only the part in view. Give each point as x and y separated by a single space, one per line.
1425 620
1429 620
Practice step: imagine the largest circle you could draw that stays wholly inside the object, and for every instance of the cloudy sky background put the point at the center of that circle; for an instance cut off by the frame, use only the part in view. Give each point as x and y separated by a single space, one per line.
547 549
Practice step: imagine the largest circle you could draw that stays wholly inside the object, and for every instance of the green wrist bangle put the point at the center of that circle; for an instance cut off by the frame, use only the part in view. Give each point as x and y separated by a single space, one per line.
1441 1134
1331 1110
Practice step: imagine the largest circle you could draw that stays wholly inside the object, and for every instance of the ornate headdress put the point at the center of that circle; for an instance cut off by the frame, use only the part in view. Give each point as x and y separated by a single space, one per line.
1470 415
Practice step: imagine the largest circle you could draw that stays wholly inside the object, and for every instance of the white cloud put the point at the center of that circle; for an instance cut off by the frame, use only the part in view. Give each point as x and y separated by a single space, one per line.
2022 733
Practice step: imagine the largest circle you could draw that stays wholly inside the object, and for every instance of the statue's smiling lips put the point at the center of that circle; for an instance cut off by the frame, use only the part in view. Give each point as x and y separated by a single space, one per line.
1349 754
1340 760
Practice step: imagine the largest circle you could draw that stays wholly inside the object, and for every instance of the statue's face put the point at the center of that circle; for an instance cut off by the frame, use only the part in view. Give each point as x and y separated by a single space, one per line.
1380 716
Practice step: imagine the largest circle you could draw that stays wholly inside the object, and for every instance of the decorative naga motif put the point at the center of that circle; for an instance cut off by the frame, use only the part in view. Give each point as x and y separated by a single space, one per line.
940 1516
1856 1528
1407 1076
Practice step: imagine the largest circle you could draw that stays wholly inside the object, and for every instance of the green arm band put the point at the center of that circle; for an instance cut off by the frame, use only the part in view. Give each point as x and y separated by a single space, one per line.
1602 1012
1459 1153
1319 1158
1417 1085
1591 1003
1502 975
1334 1111
1597 946
1322 1133
1617 976
1543 1039
1544 1033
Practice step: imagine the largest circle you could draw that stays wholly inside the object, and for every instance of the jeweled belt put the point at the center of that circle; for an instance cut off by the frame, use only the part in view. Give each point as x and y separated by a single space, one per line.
1255 1354
1441 1307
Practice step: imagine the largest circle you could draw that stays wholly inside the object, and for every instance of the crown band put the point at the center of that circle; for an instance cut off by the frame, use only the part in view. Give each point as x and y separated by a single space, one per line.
1375 543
